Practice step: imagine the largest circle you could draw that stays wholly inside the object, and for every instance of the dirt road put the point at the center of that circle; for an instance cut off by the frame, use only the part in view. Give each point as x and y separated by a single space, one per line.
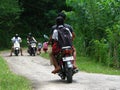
38 70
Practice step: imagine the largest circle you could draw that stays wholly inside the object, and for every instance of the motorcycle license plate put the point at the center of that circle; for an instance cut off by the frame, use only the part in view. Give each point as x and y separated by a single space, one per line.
68 58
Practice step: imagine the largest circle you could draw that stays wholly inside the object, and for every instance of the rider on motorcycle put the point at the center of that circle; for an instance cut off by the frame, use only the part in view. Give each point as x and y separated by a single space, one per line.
16 37
45 46
30 38
57 68
39 48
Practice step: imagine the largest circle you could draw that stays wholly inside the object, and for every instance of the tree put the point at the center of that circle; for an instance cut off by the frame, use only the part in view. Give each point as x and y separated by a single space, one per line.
9 14
90 19
40 15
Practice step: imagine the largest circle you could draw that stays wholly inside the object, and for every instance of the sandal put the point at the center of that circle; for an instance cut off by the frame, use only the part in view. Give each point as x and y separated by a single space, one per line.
56 70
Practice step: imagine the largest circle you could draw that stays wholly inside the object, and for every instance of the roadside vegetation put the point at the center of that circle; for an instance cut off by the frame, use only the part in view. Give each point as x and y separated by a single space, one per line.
86 64
45 55
97 23
11 81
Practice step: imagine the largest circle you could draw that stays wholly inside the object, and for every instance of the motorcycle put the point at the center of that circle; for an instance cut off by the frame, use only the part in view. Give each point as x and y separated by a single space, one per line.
65 61
16 47
32 48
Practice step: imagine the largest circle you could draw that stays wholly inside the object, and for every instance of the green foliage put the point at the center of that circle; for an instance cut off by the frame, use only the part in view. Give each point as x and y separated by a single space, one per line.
95 21
40 15
9 14
100 50
89 65
45 55
113 35
9 7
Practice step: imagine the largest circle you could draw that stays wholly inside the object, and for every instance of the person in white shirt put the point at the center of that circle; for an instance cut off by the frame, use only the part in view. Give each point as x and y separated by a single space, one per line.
16 37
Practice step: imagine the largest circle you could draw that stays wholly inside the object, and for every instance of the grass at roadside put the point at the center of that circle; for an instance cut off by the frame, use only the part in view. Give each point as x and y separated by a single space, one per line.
88 65
10 81
45 55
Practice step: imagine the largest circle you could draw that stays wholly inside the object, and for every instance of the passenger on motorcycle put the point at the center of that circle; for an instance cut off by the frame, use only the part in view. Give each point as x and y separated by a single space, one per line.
45 46
39 48
57 68
30 38
62 14
16 37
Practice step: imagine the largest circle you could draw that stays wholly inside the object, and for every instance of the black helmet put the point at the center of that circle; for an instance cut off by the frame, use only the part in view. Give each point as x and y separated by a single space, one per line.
59 20
62 14
16 35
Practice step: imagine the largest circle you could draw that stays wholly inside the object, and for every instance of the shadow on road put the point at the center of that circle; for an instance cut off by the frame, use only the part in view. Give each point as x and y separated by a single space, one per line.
59 81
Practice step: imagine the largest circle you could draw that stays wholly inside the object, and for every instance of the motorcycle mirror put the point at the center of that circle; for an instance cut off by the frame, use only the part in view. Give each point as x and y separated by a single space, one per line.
45 36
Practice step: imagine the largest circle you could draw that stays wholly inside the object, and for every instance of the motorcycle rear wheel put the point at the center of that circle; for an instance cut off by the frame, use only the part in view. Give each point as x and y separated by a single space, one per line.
69 75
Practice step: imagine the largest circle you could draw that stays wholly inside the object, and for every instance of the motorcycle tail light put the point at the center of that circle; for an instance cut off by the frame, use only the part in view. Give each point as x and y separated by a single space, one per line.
68 51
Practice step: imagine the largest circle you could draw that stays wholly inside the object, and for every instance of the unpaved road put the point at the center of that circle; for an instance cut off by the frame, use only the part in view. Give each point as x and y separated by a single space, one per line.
38 70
